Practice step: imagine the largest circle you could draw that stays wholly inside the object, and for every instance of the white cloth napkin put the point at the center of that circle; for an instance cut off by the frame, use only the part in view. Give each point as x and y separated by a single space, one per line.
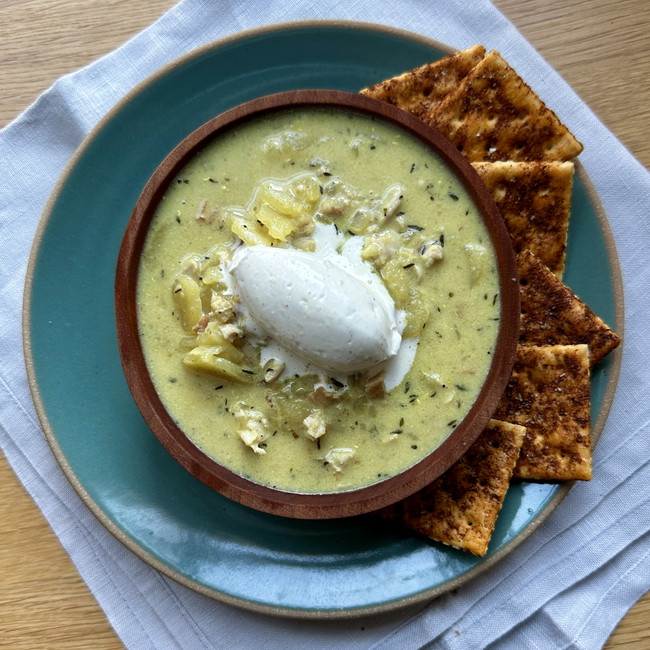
566 586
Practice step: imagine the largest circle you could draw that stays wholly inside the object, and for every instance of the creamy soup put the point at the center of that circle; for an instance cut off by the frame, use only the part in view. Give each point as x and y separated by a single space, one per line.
318 300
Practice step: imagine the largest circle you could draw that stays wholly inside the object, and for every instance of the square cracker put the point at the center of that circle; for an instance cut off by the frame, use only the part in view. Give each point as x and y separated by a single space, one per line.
534 199
549 393
552 314
422 88
494 115
460 508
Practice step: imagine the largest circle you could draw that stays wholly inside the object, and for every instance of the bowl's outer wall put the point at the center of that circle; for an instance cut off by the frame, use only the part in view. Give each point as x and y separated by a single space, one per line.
219 478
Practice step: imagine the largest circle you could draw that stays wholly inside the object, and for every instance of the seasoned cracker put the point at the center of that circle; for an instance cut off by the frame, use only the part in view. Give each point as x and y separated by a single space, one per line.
534 199
549 393
494 115
552 314
461 507
422 88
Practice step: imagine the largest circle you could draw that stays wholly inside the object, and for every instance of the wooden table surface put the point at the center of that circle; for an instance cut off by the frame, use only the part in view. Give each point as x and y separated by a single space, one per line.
600 48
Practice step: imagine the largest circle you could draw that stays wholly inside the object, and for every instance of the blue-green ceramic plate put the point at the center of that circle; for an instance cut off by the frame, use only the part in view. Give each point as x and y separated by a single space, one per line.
159 511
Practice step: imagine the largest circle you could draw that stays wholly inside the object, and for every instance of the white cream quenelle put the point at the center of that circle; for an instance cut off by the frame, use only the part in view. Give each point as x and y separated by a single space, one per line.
324 309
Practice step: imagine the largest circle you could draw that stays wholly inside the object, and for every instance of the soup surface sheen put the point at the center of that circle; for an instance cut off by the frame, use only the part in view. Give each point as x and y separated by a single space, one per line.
339 186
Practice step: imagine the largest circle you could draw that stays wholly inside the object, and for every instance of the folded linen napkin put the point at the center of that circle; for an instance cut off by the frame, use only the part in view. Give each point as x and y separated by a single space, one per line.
566 586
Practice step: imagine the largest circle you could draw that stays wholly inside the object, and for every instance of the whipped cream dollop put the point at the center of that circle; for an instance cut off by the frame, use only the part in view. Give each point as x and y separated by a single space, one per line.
326 309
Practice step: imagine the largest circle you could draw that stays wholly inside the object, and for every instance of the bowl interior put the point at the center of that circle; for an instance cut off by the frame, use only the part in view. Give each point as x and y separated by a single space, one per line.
215 475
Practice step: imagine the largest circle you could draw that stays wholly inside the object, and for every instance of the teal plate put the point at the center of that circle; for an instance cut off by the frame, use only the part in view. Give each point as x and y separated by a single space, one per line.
320 569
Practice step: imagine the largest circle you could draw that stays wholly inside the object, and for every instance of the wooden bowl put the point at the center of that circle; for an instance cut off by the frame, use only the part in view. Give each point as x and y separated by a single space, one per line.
328 504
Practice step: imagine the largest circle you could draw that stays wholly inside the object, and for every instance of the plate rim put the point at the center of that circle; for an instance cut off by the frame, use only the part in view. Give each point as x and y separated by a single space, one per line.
144 555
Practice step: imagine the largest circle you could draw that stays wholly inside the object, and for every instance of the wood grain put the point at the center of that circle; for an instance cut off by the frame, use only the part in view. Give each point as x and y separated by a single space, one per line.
599 47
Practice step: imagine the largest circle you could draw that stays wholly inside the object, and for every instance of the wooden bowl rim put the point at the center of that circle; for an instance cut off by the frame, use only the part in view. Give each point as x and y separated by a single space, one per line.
325 505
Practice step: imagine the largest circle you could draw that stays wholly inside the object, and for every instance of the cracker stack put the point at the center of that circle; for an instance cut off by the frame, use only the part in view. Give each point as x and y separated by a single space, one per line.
483 106
523 154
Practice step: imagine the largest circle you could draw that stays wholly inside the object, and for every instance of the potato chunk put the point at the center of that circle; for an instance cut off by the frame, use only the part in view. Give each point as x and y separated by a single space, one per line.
208 359
187 298
249 230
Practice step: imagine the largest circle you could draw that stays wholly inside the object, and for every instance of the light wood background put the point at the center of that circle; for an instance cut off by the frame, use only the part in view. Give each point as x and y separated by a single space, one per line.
599 46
